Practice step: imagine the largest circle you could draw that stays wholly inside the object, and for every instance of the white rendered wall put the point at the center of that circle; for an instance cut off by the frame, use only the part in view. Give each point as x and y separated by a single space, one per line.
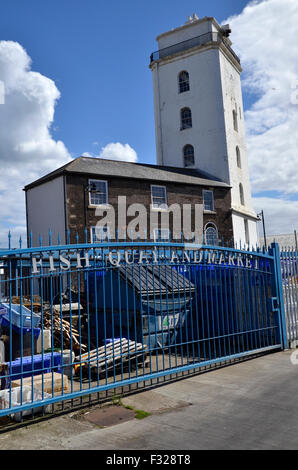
208 133
185 32
45 210
232 99
239 231
215 90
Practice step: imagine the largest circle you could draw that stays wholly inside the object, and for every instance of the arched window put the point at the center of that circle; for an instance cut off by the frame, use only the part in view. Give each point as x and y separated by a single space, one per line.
235 120
238 157
186 119
211 234
189 155
242 202
183 81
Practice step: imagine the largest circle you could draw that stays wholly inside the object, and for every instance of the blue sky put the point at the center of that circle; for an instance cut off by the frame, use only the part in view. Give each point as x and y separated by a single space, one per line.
98 54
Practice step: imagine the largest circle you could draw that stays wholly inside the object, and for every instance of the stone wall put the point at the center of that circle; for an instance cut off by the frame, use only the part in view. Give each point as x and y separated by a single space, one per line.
139 191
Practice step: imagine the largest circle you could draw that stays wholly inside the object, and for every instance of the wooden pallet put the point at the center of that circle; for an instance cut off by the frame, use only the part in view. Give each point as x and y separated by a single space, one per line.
119 355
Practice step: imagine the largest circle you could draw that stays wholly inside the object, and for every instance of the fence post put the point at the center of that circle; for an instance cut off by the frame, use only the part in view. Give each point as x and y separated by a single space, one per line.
279 293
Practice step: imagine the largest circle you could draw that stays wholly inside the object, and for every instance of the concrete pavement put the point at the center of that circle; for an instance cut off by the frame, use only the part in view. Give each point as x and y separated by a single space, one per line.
250 405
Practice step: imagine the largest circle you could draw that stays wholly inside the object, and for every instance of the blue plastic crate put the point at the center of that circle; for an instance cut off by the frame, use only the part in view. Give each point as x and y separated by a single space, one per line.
2 310
113 340
4 322
41 363
19 315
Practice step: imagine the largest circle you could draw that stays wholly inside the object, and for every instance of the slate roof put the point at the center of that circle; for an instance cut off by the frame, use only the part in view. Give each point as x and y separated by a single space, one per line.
156 279
285 241
113 168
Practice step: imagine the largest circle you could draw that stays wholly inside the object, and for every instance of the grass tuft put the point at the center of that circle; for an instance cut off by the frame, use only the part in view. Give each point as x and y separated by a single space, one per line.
141 414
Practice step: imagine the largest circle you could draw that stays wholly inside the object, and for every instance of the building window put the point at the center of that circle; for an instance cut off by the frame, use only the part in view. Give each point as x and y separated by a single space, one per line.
183 81
99 195
235 120
189 156
161 234
238 157
186 119
100 234
159 197
211 234
242 202
208 200
246 231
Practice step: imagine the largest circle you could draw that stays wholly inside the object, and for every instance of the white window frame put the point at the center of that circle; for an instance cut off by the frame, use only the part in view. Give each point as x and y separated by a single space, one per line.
185 156
159 208
180 83
92 233
214 227
155 234
205 191
90 182
184 126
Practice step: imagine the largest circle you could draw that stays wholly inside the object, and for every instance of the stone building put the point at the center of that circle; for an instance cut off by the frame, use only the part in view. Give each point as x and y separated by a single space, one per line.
65 200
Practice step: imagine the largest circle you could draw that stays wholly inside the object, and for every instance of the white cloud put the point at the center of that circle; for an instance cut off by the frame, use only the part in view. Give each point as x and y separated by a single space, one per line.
280 214
27 149
116 151
265 36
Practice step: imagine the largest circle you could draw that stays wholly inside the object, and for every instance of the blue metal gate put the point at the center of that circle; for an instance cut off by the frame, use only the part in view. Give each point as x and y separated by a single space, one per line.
85 318
289 273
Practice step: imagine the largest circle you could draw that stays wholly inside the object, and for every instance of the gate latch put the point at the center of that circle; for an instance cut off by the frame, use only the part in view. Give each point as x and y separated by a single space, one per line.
275 304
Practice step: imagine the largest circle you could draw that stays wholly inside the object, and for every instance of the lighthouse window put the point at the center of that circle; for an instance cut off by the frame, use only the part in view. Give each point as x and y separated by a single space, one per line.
241 194
238 157
189 156
183 81
186 119
235 120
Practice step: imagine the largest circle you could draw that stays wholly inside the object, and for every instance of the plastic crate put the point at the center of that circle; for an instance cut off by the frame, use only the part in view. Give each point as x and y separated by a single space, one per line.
26 394
20 316
41 363
113 340
4 397
5 323
2 310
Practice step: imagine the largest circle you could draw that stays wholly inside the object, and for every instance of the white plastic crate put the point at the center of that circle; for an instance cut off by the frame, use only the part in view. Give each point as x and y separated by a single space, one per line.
4 398
27 398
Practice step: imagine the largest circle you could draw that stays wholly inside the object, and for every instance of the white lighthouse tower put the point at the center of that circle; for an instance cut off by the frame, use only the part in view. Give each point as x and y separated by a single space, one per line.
199 118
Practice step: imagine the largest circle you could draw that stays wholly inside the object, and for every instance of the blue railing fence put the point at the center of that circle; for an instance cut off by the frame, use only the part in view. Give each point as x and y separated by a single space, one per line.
289 273
83 236
83 318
